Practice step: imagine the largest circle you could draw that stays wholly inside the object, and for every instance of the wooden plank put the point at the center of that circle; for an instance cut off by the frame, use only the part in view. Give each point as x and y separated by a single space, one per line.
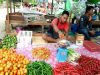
96 23
41 23
16 13
16 23
15 17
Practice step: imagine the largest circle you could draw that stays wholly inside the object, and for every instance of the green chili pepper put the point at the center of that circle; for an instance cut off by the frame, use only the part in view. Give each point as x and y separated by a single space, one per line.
39 68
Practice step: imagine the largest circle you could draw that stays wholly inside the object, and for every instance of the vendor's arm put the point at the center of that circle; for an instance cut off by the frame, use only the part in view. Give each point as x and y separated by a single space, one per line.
55 27
90 24
90 27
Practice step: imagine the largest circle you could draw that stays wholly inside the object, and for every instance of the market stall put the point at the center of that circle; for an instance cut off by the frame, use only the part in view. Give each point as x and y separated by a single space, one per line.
12 16
24 17
22 53
21 56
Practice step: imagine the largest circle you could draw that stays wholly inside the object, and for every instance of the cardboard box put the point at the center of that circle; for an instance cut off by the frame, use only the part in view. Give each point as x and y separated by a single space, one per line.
79 39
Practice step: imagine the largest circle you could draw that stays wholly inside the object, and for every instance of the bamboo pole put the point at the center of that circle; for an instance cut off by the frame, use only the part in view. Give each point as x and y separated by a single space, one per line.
10 6
14 6
21 2
8 20
70 20
7 6
65 4
52 8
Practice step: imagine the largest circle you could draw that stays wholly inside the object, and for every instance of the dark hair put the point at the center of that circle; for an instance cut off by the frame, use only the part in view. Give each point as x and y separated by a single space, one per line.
88 8
65 12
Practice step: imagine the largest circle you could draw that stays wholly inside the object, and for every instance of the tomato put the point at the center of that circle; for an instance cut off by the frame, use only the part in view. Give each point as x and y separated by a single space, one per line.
2 73
6 73
12 63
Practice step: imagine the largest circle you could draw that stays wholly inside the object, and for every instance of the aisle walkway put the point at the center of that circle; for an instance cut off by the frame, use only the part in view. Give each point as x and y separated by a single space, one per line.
3 13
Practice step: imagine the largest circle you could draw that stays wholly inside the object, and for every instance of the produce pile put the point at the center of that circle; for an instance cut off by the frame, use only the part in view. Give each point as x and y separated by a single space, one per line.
9 41
88 66
65 69
17 62
28 52
39 68
12 63
41 53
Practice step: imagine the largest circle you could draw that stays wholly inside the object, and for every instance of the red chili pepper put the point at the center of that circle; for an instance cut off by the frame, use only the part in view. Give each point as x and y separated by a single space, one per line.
88 66
65 68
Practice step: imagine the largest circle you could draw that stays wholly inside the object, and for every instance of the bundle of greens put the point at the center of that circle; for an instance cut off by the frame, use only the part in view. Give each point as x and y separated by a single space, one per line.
9 41
73 55
39 68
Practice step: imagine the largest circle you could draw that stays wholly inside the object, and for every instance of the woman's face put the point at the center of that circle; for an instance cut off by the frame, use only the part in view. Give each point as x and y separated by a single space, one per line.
64 18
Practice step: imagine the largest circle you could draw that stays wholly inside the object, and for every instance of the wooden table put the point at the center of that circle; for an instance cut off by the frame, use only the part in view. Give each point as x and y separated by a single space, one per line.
96 23
41 23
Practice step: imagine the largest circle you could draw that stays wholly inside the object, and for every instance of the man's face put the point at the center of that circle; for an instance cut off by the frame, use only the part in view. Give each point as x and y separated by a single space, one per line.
64 18
91 12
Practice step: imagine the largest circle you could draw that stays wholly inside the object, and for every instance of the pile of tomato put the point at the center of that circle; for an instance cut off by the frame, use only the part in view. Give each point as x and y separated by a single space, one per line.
12 63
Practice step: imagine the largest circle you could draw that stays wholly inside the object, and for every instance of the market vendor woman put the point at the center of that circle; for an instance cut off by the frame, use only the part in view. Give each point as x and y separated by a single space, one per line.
58 29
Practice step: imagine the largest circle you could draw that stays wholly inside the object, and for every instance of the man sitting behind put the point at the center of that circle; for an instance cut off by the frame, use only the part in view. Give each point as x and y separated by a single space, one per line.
85 26
58 29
